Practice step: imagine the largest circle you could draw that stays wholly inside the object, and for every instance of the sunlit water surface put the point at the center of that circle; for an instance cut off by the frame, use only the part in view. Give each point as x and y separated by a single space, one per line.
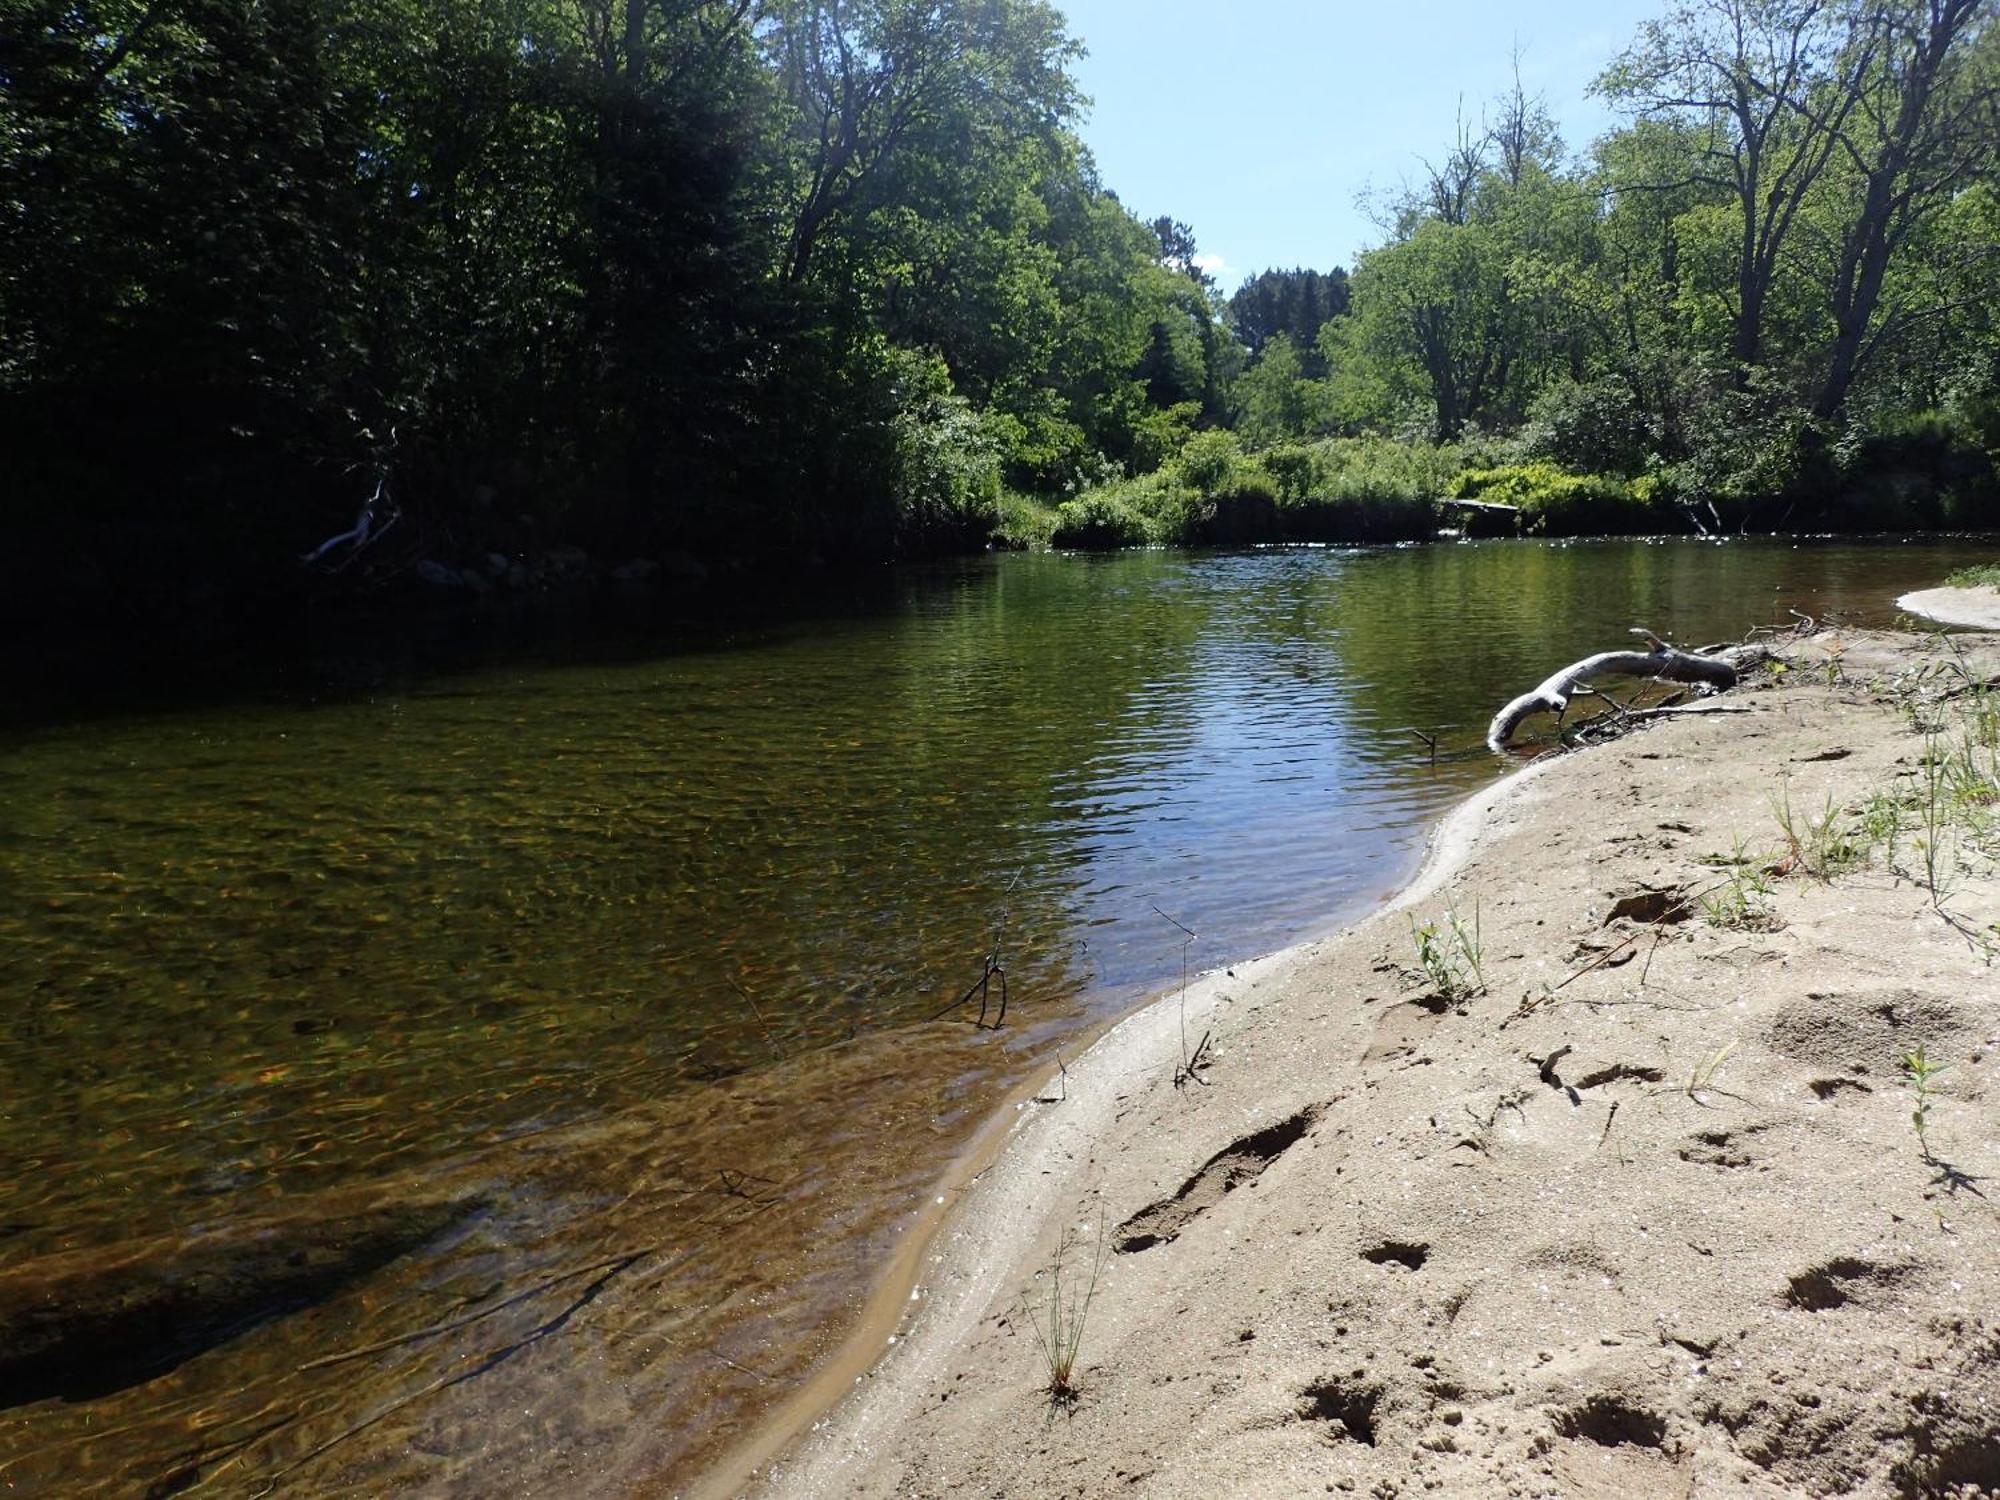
254 953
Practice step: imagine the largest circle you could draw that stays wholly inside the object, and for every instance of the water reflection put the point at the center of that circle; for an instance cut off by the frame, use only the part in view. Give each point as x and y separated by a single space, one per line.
253 954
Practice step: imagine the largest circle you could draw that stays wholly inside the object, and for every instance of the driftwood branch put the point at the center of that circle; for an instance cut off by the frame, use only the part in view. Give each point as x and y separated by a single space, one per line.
1660 662
378 513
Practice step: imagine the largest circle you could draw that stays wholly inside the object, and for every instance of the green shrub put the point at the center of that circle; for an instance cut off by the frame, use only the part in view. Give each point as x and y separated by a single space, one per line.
1370 489
1169 513
1745 449
1293 471
1246 512
1925 470
946 465
1591 427
1159 436
1097 522
1555 502
1209 461
1340 490
1024 523
1041 450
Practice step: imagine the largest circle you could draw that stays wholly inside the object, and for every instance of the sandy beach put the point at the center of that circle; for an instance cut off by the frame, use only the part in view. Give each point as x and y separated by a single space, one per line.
1976 608
1635 1205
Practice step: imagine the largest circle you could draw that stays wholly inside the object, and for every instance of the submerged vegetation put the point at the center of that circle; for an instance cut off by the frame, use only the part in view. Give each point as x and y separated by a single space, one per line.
384 284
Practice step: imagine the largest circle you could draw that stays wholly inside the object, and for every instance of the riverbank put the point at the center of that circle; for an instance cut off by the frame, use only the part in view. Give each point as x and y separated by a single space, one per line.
1973 608
1644 1210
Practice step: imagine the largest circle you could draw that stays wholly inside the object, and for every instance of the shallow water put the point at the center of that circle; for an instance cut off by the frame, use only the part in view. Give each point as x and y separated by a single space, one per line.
257 952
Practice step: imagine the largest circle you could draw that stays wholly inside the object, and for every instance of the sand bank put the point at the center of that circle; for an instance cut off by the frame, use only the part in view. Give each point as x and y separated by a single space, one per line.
1977 608
1645 1214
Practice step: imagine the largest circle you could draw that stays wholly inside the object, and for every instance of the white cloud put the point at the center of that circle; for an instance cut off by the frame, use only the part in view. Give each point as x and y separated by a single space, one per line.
1212 263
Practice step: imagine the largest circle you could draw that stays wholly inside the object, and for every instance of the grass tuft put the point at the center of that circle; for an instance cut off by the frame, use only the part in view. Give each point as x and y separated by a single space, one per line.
1818 847
1060 1320
1742 902
1451 952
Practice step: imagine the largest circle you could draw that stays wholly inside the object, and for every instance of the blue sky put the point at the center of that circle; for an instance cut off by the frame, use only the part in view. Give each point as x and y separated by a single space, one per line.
1261 123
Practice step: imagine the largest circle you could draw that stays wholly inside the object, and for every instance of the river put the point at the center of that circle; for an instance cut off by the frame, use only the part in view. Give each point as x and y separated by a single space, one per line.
640 950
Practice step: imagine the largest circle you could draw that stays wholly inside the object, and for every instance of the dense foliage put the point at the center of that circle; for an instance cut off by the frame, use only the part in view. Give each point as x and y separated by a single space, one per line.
378 283
742 278
1772 292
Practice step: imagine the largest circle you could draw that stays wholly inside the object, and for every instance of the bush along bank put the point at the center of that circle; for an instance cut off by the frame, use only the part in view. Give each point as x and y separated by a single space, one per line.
1362 490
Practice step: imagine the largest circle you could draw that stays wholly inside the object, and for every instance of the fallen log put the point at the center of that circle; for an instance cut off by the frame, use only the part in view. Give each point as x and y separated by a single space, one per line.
1661 662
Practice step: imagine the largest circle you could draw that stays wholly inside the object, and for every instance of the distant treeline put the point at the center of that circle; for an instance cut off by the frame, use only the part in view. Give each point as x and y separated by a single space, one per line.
1770 297
478 283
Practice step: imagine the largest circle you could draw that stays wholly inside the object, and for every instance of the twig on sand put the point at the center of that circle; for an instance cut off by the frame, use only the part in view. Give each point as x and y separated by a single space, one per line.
1062 1075
1190 1063
1607 1124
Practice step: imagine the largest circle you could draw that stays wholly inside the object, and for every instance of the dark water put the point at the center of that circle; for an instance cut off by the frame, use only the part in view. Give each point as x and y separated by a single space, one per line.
251 951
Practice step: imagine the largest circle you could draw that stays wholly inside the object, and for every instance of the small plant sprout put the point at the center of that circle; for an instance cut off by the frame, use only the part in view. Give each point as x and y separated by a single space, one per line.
1743 900
1921 1069
1701 1080
1881 818
1060 1320
1937 840
1451 952
1817 847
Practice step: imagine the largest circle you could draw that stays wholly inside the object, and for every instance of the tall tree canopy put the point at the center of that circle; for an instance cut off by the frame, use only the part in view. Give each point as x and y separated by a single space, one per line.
761 278
636 273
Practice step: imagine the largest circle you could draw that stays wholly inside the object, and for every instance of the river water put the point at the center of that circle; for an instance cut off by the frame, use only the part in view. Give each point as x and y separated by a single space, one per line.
638 950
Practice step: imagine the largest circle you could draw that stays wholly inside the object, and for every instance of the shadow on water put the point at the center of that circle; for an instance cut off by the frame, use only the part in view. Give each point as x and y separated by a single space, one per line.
632 947
334 652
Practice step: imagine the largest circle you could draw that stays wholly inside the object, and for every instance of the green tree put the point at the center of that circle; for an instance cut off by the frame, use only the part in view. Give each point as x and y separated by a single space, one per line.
1276 401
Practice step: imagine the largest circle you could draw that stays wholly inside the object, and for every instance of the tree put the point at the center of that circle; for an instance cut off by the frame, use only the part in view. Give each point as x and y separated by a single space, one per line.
1297 303
1274 398
1919 128
1740 72
867 80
